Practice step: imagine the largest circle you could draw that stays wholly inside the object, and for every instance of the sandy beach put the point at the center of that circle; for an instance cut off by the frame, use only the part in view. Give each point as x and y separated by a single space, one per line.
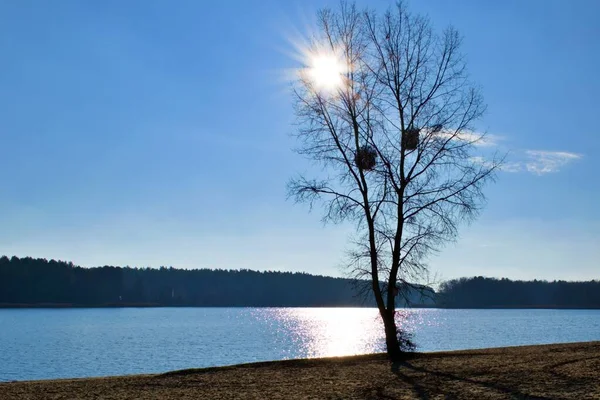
559 371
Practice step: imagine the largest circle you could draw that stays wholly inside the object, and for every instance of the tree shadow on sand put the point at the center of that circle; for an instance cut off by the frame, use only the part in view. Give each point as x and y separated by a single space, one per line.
424 391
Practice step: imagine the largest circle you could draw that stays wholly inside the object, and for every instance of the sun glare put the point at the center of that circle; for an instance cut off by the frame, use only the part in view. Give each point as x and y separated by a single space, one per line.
323 66
326 71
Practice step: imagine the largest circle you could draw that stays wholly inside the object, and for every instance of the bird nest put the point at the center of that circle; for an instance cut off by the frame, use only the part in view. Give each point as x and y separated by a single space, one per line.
410 139
366 158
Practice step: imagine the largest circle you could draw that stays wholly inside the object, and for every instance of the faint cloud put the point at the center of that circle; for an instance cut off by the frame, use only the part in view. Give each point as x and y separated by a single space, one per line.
483 161
511 167
543 162
540 162
537 162
476 138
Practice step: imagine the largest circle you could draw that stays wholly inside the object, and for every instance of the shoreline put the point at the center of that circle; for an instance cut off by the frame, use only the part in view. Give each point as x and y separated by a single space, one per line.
568 370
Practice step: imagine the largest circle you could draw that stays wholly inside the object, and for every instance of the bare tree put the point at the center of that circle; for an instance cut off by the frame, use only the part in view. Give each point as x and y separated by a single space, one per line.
391 122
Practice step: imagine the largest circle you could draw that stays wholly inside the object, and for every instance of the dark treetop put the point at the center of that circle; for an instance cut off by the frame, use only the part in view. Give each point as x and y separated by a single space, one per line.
480 292
39 282
29 281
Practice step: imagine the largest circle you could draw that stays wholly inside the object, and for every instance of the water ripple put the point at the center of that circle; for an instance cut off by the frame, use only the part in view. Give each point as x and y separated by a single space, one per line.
46 343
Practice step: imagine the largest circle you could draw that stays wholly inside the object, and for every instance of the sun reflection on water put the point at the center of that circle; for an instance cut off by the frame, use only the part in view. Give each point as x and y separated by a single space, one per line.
339 331
328 332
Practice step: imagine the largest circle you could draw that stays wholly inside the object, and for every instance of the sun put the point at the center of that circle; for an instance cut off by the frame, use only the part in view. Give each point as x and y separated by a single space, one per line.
324 66
326 70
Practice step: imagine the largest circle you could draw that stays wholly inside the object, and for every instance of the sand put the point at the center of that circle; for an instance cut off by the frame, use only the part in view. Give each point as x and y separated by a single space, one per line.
560 371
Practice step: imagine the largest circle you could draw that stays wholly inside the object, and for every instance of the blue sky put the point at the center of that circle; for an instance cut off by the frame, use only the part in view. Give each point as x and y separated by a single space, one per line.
151 133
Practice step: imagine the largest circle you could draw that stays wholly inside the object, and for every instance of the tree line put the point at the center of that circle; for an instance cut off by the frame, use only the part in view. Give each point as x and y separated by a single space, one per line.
481 292
40 282
30 281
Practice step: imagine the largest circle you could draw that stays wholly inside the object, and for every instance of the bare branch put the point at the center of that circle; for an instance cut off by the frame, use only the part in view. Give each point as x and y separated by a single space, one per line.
400 77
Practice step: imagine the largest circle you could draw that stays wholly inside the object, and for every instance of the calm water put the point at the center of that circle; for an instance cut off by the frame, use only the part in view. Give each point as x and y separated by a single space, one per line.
61 343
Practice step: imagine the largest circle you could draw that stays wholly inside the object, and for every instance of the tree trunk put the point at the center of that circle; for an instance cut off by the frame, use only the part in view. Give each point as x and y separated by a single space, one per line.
394 351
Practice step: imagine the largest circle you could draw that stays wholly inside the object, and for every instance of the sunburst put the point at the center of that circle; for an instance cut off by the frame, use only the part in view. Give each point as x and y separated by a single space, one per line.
324 68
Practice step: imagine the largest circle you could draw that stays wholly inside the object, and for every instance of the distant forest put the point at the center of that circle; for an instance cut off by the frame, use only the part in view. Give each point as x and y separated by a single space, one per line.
480 292
28 281
38 282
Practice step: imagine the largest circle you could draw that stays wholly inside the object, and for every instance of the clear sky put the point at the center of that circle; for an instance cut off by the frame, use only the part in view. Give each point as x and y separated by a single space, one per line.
149 133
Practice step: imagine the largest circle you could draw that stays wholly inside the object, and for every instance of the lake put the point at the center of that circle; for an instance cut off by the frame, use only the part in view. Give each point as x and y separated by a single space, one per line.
65 343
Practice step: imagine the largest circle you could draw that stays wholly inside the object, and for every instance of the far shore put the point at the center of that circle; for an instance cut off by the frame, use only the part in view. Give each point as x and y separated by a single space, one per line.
563 371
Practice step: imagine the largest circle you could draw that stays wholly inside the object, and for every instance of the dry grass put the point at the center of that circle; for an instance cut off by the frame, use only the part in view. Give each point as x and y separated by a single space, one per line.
562 371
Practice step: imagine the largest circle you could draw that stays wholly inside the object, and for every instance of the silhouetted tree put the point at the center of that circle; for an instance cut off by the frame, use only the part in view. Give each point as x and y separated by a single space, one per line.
393 129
